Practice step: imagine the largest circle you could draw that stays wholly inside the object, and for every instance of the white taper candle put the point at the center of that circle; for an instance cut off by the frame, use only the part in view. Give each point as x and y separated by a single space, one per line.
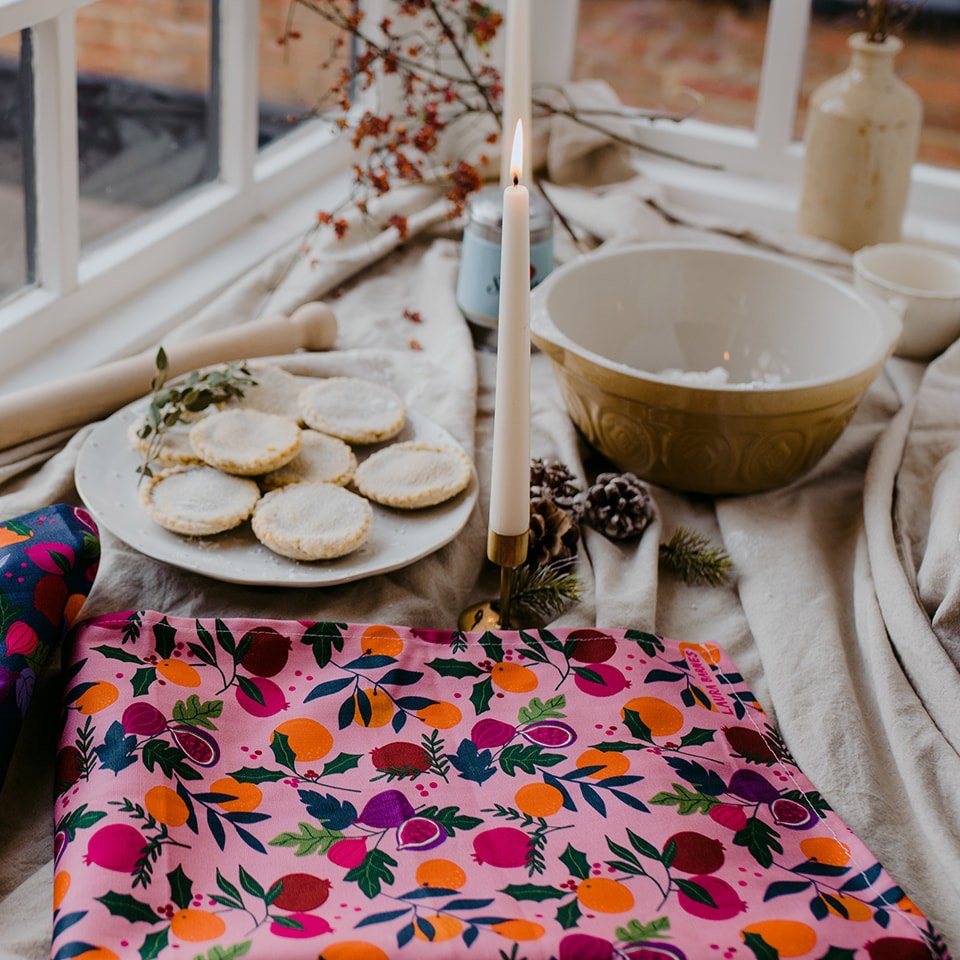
510 480
516 89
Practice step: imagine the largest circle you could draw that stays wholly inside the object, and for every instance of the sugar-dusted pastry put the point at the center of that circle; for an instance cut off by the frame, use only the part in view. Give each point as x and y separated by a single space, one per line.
413 475
246 442
312 521
321 459
276 392
357 411
175 448
198 501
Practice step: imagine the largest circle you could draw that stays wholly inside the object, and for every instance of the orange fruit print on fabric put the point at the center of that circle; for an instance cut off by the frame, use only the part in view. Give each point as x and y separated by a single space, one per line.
322 791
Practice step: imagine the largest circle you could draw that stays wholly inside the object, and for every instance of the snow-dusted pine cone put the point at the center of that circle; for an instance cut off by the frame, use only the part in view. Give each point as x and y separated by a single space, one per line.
554 479
554 534
619 505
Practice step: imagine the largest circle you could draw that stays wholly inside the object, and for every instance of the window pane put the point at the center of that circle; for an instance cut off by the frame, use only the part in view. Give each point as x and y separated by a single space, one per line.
650 50
16 174
929 62
147 129
295 75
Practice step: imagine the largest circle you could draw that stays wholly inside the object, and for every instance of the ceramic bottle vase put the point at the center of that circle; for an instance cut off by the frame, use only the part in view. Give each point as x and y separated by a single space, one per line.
863 130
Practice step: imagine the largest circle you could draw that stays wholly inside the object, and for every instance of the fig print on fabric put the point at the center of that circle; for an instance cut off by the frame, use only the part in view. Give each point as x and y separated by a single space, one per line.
333 792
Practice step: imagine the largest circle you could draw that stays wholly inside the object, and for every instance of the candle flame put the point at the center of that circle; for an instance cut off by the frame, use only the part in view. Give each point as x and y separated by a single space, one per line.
516 157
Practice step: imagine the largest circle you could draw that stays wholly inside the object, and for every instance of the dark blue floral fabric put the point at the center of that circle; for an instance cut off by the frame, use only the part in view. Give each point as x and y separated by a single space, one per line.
48 560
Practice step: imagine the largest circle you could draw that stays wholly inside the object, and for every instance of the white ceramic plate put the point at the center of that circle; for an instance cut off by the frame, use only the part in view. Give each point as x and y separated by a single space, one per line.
107 481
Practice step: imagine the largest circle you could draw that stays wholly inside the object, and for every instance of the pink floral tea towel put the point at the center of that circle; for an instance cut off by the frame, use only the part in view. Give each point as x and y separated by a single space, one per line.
233 788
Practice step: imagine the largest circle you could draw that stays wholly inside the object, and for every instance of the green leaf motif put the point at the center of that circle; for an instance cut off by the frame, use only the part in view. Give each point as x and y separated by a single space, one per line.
324 638
451 819
372 873
648 642
258 775
761 840
455 668
527 757
635 930
142 680
534 891
130 908
636 726
568 914
181 887
686 801
250 689
252 887
695 892
537 709
226 953
197 714
79 819
341 763
838 953
165 638
171 760
576 862
155 944
117 653
309 840
697 736
482 695
492 646
282 752
760 948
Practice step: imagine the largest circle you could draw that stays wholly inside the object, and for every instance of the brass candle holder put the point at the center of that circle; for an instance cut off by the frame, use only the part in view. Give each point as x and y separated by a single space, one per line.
507 551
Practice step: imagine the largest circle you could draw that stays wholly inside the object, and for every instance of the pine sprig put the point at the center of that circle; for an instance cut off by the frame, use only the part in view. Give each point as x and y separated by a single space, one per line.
543 592
692 557
172 405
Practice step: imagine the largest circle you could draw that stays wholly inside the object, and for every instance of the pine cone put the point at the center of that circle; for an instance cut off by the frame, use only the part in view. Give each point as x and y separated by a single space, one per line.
619 505
554 535
554 480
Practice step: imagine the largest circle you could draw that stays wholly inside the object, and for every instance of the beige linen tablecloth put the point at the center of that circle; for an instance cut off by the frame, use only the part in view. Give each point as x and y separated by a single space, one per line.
844 615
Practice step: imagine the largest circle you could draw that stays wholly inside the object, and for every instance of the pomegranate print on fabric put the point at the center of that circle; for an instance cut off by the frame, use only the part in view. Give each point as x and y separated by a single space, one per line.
318 790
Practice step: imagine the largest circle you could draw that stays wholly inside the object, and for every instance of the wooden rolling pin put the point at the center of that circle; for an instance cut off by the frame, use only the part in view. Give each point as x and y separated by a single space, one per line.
88 396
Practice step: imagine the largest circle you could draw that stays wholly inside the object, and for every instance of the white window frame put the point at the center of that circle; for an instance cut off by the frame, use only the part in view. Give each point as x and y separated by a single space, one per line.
124 292
74 288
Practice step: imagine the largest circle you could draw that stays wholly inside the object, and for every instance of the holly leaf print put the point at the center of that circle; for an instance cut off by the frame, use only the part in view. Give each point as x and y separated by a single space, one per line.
116 751
455 668
324 638
341 763
181 887
576 862
155 944
838 953
492 646
759 947
372 873
331 812
130 908
761 840
309 840
473 764
482 695
697 736
142 680
258 774
280 745
568 915
165 638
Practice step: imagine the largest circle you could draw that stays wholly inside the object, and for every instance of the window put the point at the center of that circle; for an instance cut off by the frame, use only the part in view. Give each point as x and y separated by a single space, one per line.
142 154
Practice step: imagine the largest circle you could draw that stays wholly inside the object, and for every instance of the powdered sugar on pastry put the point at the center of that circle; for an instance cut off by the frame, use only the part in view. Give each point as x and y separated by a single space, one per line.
246 442
357 411
276 392
198 501
413 475
312 521
321 459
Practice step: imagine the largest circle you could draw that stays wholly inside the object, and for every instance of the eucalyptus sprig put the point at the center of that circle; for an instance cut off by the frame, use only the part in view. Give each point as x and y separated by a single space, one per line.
692 557
172 405
541 593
